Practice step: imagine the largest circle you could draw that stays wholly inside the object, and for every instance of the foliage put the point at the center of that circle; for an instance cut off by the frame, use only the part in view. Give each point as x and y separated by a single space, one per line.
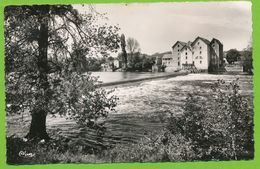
80 97
140 62
232 56
132 46
247 60
70 94
221 130
159 147
123 48
54 151
94 64
45 51
162 147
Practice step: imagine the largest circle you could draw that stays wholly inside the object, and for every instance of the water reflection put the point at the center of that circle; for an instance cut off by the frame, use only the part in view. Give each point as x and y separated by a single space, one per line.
122 76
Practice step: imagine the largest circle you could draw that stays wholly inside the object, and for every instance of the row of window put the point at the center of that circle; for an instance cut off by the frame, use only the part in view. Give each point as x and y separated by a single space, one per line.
166 58
187 48
197 57
187 62
186 53
166 63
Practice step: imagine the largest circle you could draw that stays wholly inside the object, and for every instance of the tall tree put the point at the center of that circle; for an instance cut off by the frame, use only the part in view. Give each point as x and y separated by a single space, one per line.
247 58
33 36
232 56
123 46
132 46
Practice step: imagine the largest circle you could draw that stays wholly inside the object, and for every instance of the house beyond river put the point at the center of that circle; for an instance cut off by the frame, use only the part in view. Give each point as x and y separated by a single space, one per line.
201 54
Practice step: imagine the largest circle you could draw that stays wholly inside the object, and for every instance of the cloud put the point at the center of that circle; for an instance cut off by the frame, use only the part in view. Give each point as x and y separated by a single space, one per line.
159 25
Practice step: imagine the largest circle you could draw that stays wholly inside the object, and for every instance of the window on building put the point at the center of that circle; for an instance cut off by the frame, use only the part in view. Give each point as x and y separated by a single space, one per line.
178 50
178 63
186 57
200 62
186 62
198 43
186 53
213 45
200 57
200 52
178 45
200 47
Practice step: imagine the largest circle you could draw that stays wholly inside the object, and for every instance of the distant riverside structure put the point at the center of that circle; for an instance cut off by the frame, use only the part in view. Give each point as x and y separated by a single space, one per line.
199 55
111 65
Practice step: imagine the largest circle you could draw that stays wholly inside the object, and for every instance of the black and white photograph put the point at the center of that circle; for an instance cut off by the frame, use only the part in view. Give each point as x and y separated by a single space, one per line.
129 82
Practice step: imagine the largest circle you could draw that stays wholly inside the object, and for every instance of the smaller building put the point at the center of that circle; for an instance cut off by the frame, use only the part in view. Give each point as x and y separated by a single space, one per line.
167 62
157 66
117 63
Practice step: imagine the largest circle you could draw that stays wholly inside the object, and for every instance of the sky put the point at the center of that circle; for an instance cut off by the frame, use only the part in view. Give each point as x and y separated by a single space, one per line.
157 26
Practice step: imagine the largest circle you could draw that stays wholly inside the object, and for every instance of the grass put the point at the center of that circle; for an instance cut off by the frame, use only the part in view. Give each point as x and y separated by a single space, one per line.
149 149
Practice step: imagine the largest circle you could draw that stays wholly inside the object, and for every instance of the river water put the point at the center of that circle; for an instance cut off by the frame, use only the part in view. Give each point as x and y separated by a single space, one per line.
107 77
140 107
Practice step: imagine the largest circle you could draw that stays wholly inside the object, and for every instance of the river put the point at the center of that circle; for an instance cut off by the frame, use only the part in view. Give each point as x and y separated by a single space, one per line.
108 77
139 109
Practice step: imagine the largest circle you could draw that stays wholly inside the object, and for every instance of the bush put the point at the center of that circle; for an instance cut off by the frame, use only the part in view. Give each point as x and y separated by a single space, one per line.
221 128
161 146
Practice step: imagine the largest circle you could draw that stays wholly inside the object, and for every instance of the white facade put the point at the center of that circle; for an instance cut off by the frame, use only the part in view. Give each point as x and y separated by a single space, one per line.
116 63
201 54
186 56
176 53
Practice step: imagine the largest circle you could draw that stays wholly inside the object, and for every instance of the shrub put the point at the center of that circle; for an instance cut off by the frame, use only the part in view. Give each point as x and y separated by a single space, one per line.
161 146
221 128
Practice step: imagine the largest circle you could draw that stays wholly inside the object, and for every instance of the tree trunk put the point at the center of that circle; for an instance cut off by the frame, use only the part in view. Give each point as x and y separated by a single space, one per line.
38 122
38 126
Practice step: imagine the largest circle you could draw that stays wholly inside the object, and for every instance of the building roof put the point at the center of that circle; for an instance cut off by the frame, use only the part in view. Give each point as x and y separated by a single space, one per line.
182 43
203 39
167 56
188 45
214 39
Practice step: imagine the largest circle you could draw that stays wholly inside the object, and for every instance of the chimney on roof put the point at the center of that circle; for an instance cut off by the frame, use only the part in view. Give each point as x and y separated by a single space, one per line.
189 43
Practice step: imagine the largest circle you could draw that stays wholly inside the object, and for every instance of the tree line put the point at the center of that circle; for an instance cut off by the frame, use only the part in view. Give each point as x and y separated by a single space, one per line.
245 57
130 58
